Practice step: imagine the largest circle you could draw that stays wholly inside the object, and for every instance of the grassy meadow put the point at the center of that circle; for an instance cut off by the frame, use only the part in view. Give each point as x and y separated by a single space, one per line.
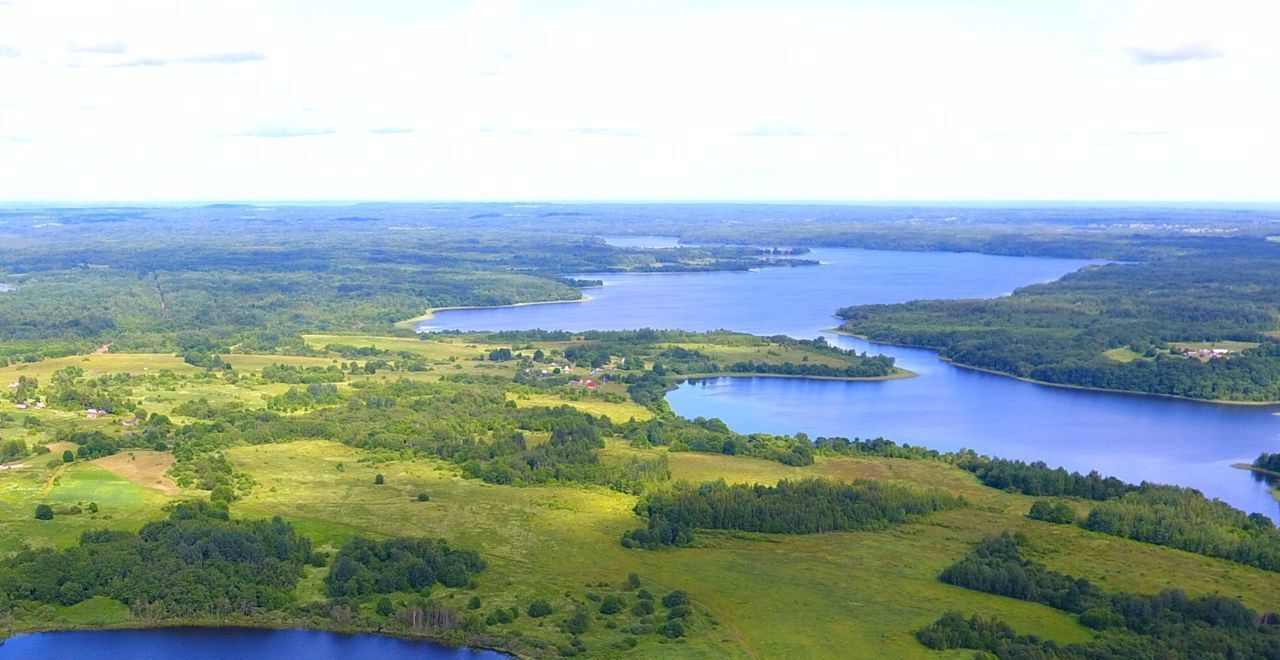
847 594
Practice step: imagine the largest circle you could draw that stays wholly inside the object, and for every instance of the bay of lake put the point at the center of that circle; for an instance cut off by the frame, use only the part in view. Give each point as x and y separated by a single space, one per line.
1133 437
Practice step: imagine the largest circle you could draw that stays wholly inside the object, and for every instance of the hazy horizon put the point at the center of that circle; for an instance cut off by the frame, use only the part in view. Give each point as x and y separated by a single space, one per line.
867 203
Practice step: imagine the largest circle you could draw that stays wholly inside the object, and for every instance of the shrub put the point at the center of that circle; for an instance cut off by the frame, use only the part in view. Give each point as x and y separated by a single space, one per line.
675 599
612 604
1058 512
672 629
423 496
539 608
377 479
44 512
498 616
222 493
578 623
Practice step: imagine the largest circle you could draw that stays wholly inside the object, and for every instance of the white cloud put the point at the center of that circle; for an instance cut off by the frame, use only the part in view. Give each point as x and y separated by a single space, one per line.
103 48
1169 31
150 98
196 58
1180 53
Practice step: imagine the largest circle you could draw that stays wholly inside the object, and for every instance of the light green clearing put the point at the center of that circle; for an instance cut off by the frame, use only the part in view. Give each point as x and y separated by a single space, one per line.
1123 354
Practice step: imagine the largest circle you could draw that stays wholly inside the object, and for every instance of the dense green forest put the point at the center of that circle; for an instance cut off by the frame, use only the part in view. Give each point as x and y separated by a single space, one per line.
809 506
1037 478
997 566
364 567
198 562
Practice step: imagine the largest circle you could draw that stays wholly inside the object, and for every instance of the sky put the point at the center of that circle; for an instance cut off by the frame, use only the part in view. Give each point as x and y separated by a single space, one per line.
155 100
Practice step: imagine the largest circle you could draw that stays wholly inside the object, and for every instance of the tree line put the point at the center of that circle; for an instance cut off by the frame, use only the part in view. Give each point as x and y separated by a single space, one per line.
1169 624
1268 462
1173 516
807 506
197 562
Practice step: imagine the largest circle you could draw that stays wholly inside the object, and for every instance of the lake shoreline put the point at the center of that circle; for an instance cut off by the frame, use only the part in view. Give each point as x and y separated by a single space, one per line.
1067 386
247 624
899 374
1254 468
1275 490
412 324
1086 388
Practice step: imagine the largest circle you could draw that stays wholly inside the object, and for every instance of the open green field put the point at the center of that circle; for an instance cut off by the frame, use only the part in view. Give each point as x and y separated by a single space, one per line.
99 365
617 412
858 592
1122 354
122 503
242 362
546 541
847 594
436 348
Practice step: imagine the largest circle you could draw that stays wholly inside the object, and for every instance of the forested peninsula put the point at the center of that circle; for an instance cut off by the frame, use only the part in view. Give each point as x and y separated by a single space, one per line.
1201 326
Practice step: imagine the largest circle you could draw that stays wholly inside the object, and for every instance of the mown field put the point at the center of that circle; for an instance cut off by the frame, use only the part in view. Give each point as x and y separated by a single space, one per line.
846 594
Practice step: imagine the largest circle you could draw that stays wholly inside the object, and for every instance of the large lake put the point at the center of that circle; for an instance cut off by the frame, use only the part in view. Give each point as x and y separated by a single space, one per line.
224 644
1133 437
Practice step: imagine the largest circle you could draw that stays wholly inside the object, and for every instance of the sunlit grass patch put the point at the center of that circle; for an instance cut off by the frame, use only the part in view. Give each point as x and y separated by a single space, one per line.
616 412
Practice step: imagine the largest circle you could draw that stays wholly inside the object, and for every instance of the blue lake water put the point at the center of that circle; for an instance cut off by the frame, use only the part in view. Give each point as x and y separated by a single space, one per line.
798 301
225 644
1133 437
642 241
